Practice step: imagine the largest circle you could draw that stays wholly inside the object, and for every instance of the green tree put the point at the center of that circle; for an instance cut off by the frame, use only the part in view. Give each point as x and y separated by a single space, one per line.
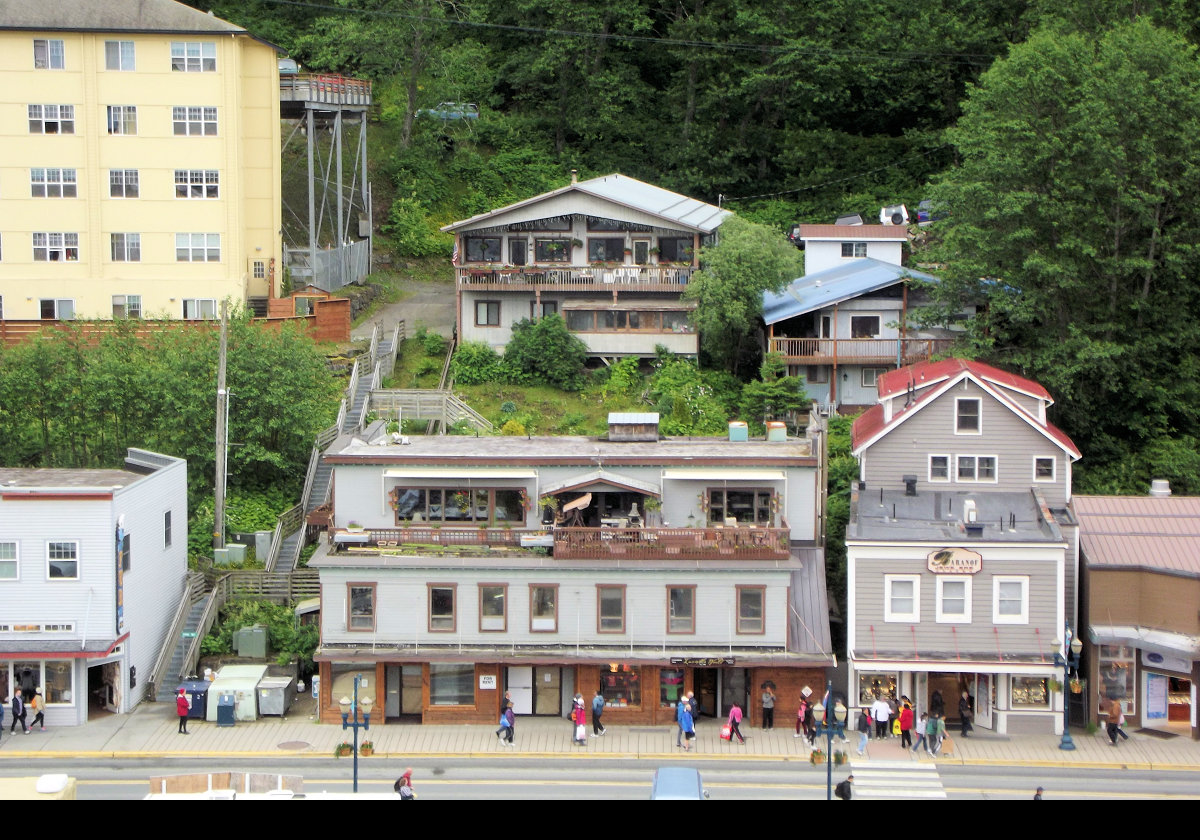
748 260
773 394
545 352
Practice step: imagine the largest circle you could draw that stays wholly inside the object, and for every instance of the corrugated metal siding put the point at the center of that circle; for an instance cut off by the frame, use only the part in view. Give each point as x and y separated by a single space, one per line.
1140 531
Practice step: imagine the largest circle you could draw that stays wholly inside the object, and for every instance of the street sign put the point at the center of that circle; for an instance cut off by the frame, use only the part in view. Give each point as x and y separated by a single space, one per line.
188 634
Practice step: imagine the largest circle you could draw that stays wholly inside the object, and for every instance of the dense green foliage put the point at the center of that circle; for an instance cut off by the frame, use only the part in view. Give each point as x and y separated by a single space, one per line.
545 351
843 470
290 641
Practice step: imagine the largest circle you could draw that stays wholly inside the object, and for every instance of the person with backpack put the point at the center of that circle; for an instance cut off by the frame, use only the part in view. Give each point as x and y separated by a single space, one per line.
403 786
39 710
597 711
843 790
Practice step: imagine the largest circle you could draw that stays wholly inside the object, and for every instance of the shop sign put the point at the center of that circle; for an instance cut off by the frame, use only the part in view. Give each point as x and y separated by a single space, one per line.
1170 663
487 681
954 561
704 662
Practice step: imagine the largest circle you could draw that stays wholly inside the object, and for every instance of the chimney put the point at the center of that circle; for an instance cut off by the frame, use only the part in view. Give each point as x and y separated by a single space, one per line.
1160 488
574 176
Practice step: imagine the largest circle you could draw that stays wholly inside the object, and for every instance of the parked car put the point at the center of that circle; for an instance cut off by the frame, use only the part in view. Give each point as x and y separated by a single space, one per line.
677 783
927 214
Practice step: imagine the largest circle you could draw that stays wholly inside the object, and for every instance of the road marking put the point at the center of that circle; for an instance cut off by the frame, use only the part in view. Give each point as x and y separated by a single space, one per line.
881 779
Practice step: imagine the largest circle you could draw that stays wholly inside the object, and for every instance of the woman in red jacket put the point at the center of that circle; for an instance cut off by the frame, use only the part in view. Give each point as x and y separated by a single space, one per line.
182 706
906 722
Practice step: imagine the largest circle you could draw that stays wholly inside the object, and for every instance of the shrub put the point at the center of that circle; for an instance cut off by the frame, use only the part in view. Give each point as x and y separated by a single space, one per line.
414 233
508 407
513 427
434 344
475 363
545 352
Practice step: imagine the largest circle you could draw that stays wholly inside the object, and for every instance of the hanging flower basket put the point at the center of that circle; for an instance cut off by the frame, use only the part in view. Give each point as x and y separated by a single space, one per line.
817 757
839 758
343 749
1076 686
366 748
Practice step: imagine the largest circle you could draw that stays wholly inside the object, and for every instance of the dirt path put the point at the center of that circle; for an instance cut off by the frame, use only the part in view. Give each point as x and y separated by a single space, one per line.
428 304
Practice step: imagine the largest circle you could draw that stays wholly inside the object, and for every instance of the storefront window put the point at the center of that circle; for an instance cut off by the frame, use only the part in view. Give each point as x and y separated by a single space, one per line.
1117 673
456 506
871 686
621 685
56 686
55 676
670 686
748 506
1030 691
452 685
342 681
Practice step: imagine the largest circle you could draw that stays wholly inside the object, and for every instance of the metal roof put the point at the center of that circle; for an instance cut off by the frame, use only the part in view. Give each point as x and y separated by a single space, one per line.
632 417
848 233
834 285
110 16
808 619
1140 532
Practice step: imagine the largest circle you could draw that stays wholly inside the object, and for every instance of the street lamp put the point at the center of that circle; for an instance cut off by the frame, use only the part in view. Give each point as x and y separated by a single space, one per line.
1068 659
838 722
350 719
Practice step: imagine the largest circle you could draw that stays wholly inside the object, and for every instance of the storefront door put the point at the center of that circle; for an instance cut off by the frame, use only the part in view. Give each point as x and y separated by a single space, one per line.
984 684
736 689
704 682
520 686
547 697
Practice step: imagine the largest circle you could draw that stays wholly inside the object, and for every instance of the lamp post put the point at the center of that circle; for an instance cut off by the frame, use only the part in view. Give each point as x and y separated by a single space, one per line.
1070 648
350 719
820 712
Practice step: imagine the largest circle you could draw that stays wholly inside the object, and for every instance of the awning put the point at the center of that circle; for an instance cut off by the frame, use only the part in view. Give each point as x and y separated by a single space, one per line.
588 482
59 648
1143 638
457 472
723 475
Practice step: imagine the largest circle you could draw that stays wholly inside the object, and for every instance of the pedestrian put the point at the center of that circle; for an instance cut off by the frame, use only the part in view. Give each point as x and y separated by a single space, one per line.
800 710
693 707
1 717
768 707
735 719
1113 725
906 722
39 707
939 732
843 790
580 722
597 711
688 725
880 713
403 785
183 705
508 721
864 729
1038 794
505 701
18 712
681 708
965 714
921 724
810 724
937 706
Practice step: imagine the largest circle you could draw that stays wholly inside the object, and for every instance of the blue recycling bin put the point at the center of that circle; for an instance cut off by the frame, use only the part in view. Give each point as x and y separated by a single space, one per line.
197 692
225 709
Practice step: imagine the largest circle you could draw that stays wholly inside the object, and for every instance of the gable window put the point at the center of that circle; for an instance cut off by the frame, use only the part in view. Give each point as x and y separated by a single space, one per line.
751 506
197 183
122 119
543 608
197 247
487 313
51 119
966 416
62 560
854 249
864 326
681 612
193 56
902 598
56 247
166 529
493 607
606 250
939 467
9 561
953 599
751 601
610 609
194 120
126 306
675 249
482 248
52 183
123 183
51 309
361 602
1044 469
48 54
441 607
552 250
118 55
126 247
1010 599
870 377
199 309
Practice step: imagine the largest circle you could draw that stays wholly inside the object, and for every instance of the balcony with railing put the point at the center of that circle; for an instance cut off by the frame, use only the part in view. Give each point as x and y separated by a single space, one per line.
881 351
585 278
324 89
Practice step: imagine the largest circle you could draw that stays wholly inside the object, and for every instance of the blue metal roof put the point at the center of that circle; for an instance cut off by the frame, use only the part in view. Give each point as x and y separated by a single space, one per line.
834 285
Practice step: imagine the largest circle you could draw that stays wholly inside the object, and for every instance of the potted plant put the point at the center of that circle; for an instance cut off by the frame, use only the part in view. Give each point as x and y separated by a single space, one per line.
839 758
576 243
1076 685
366 748
354 526
343 749
653 506
817 756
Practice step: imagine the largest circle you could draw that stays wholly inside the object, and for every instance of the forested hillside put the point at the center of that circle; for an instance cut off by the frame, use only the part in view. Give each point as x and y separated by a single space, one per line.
1058 139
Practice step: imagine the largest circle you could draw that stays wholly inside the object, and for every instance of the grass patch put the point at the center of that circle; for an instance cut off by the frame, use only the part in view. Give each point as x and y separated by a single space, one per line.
415 369
543 410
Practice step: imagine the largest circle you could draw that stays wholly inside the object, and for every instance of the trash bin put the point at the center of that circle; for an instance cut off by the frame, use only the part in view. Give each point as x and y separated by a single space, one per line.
275 695
226 704
197 692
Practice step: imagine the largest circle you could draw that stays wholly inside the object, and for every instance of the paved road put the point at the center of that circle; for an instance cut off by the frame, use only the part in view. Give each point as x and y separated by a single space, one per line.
428 304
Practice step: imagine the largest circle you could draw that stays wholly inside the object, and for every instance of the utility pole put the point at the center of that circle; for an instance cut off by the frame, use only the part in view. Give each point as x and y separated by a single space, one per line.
222 452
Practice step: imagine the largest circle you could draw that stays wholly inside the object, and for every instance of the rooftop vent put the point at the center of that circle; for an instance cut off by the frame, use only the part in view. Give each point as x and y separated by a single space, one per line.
910 485
974 529
1160 488
738 430
776 430
640 426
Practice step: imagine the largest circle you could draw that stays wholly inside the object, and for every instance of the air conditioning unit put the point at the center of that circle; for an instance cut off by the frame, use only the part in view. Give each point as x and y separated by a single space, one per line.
896 214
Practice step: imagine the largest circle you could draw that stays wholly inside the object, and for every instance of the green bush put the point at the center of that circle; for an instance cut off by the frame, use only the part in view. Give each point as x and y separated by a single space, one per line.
434 344
287 639
513 427
475 363
544 352
413 232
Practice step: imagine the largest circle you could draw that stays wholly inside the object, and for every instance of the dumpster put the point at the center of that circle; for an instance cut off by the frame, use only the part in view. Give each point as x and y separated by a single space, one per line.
197 692
225 709
276 695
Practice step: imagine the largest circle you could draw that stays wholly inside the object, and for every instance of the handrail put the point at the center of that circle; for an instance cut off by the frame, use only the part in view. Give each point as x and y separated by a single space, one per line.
276 544
374 343
216 600
193 584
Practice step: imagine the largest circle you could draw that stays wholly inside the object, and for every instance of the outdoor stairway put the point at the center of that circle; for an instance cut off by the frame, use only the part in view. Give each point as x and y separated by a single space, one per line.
362 393
169 682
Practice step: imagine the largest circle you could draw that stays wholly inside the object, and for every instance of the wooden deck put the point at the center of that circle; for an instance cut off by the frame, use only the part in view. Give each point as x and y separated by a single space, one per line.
858 351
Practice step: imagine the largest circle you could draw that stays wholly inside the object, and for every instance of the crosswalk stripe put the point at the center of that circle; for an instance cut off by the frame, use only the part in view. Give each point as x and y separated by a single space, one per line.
882 779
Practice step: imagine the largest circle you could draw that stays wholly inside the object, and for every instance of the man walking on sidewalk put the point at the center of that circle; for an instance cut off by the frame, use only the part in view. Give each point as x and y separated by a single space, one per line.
597 711
18 712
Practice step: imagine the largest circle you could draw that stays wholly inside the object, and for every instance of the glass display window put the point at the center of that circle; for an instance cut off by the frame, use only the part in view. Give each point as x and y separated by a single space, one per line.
1117 673
875 685
670 686
621 684
1030 691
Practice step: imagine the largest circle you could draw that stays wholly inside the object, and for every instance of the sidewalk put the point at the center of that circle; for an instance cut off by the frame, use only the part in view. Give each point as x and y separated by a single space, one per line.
150 732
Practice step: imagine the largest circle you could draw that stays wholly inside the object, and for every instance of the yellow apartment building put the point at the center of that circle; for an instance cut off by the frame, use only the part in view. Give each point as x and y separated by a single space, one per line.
140 167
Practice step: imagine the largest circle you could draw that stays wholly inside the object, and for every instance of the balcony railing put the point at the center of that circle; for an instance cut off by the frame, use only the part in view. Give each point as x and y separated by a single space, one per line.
325 88
427 535
652 278
902 351
740 543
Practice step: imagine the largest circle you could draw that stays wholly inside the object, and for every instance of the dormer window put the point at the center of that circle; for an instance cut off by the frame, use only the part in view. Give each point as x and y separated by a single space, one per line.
966 416
854 249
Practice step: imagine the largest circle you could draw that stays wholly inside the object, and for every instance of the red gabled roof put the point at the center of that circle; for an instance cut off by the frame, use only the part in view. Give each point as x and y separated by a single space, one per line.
926 373
848 232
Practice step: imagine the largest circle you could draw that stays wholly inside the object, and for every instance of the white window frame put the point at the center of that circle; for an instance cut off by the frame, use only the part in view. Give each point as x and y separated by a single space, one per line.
975 474
197 183
63 118
913 617
130 306
47 244
59 305
53 182
119 55
202 312
1053 469
194 120
954 618
1023 617
193 56
125 247
15 560
876 333
958 401
870 376
54 54
123 183
958 471
857 250
945 479
75 559
197 247
122 120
